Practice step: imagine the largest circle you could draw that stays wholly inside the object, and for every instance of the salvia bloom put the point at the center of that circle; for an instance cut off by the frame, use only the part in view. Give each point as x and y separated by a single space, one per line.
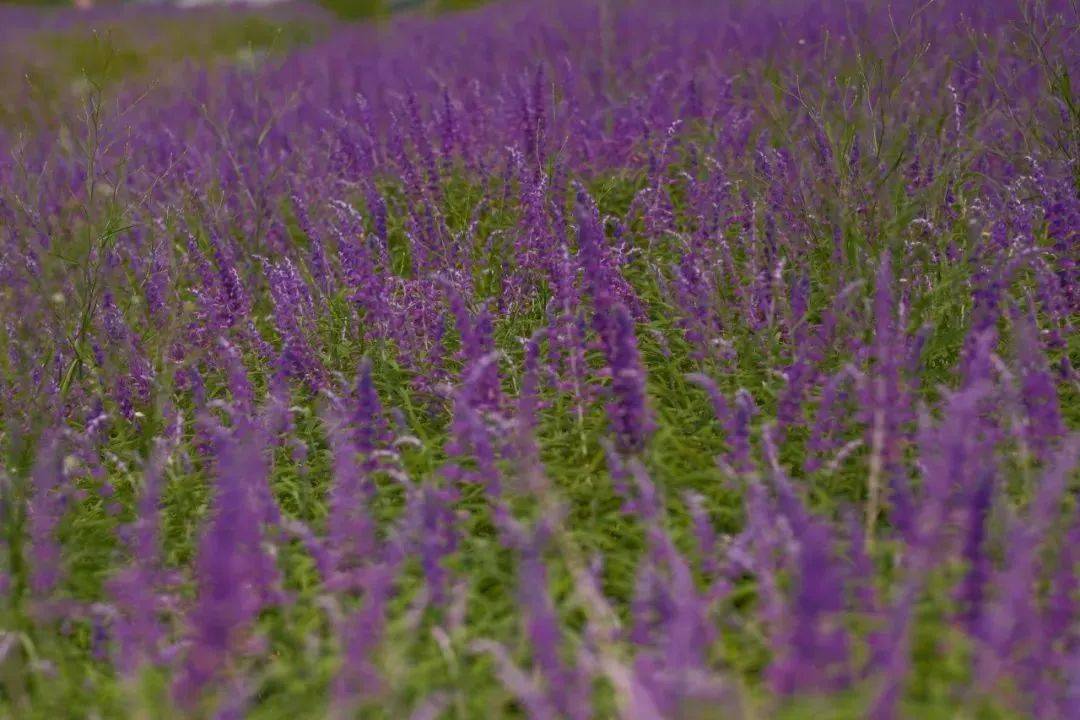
236 575
44 512
137 589
628 410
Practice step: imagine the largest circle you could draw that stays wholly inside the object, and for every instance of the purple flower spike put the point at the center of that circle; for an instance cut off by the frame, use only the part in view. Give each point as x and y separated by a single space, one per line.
628 411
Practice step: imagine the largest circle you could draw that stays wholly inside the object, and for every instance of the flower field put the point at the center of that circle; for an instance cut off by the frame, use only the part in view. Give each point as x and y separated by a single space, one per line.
562 359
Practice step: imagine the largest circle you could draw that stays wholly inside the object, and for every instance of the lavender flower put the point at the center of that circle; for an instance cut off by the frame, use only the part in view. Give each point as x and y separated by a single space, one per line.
237 578
138 629
628 411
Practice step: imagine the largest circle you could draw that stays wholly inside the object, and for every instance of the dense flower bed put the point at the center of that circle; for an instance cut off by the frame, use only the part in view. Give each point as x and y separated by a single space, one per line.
575 359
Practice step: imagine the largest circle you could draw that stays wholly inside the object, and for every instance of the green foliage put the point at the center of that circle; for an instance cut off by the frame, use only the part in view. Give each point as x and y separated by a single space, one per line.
356 9
459 4
53 67
370 9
